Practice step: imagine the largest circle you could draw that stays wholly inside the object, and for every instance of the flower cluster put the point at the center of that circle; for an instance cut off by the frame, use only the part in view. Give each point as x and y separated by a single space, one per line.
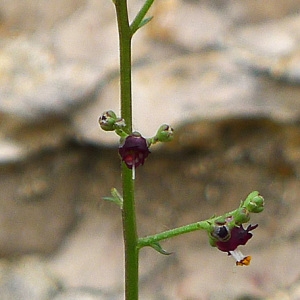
134 148
227 232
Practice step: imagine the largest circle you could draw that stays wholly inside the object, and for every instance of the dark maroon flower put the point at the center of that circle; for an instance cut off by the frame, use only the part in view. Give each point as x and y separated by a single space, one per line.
238 236
134 150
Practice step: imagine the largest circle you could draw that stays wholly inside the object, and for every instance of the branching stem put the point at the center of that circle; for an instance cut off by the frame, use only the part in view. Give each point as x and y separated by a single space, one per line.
136 23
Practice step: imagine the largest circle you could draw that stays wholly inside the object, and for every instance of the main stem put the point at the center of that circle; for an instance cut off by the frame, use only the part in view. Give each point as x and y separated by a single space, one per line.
128 211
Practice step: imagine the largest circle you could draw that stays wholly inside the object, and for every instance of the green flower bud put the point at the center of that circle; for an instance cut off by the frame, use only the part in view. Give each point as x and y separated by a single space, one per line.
254 203
107 120
241 215
165 133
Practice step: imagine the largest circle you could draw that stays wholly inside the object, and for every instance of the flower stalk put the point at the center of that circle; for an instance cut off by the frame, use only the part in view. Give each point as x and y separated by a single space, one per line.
232 219
224 232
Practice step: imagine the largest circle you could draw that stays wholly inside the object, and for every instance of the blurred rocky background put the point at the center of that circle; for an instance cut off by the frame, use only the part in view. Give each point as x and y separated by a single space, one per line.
225 74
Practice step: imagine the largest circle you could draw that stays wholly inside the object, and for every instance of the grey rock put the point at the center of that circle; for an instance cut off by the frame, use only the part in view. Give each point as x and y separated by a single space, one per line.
89 35
271 47
295 293
292 292
84 294
22 138
38 203
253 12
48 73
11 152
202 29
26 279
88 258
32 15
37 94
186 88
33 83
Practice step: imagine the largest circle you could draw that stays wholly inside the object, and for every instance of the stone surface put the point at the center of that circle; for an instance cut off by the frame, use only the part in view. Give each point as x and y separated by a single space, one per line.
204 27
93 242
271 47
26 279
29 16
187 88
180 87
225 74
21 138
83 294
11 152
257 11
38 203
33 83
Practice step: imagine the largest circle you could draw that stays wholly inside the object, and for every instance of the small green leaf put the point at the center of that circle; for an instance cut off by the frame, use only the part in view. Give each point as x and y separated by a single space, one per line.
156 246
116 198
144 22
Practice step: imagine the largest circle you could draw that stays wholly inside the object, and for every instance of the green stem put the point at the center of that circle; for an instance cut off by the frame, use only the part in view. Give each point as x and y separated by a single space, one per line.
128 211
135 25
237 215
125 62
151 239
130 236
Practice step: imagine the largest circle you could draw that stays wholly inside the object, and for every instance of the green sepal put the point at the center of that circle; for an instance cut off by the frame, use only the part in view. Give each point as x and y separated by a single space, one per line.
156 246
212 241
116 198
220 220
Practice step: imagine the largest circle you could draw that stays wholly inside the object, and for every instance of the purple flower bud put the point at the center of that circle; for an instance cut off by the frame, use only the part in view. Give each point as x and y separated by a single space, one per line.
134 150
